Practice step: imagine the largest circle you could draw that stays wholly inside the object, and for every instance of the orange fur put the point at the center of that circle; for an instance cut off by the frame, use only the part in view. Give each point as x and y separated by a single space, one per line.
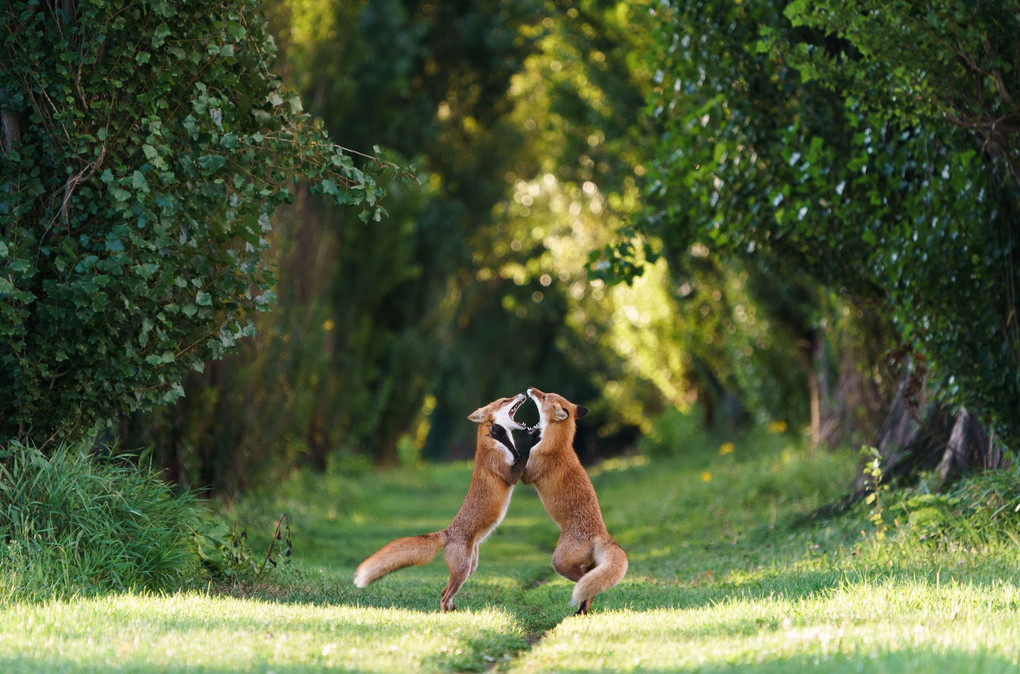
585 553
492 482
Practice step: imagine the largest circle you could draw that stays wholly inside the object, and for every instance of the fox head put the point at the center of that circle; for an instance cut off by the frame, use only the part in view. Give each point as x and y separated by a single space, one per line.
498 418
554 408
500 412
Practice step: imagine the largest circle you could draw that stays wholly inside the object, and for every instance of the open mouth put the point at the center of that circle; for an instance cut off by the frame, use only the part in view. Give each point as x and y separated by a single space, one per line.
513 411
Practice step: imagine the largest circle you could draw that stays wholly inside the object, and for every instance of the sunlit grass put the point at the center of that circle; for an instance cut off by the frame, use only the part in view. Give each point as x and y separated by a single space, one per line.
891 626
192 631
726 574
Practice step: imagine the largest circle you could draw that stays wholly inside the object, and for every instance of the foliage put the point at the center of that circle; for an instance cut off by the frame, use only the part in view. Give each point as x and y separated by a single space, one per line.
226 556
761 160
347 360
939 130
978 512
953 63
146 145
72 524
744 323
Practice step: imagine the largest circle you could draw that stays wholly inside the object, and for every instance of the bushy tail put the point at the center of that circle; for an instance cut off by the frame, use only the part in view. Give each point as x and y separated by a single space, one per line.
610 568
409 551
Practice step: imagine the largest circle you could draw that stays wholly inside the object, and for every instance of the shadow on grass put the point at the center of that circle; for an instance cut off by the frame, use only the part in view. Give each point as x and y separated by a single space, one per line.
955 662
487 648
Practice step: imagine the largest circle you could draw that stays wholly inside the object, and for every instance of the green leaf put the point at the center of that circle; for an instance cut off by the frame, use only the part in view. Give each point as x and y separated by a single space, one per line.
88 262
329 187
211 162
160 35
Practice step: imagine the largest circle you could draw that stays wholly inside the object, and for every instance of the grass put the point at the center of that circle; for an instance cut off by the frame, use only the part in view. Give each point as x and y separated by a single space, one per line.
725 575
72 521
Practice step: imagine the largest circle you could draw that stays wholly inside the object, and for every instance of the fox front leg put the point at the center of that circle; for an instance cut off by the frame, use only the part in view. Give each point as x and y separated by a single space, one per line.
500 435
525 444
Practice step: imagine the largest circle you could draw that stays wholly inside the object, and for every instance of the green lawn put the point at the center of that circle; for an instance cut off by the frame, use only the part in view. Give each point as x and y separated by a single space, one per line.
722 577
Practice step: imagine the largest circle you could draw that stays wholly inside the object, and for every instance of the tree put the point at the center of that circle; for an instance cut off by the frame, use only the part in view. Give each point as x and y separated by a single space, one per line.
720 112
934 97
348 361
777 150
145 146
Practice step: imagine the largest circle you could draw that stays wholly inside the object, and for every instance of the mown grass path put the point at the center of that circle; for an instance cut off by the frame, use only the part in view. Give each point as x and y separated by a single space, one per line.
720 580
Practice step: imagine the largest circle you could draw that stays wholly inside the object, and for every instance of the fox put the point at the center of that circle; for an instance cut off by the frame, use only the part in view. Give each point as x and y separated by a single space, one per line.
498 467
585 552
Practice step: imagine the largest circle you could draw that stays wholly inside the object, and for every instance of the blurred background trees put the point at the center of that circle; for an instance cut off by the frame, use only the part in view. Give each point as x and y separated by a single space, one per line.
751 212
523 121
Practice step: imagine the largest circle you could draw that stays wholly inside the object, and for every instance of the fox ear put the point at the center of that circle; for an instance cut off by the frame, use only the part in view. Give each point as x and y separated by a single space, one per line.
478 416
559 414
580 411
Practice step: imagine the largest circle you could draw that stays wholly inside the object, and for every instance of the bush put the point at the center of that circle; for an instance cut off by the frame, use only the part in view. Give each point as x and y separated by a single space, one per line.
979 511
71 524
145 145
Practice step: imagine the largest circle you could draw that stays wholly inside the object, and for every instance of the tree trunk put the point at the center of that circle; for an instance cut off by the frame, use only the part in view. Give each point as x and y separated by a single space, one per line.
852 409
916 437
11 127
969 447
386 451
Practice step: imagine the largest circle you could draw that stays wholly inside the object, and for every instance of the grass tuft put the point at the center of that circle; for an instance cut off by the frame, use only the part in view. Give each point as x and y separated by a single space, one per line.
74 525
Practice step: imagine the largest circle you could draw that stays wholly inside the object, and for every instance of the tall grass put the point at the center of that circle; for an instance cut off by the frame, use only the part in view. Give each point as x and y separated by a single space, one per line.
72 524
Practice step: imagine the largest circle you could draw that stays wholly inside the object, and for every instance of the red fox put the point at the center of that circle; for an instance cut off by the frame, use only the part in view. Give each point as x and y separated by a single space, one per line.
585 553
498 467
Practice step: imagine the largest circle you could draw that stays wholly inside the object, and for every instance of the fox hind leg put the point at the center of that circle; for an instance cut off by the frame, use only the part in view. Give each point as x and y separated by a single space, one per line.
462 560
572 559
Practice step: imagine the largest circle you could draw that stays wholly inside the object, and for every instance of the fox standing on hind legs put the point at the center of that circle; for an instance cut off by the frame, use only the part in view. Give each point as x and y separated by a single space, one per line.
498 466
585 553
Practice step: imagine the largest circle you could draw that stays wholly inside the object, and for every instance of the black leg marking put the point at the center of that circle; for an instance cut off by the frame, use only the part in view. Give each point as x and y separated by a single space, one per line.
500 435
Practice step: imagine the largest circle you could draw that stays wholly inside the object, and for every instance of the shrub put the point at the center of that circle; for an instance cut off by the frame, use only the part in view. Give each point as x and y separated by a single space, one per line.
980 510
145 145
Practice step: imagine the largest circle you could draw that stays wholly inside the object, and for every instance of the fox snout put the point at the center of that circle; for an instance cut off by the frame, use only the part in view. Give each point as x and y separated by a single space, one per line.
555 406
